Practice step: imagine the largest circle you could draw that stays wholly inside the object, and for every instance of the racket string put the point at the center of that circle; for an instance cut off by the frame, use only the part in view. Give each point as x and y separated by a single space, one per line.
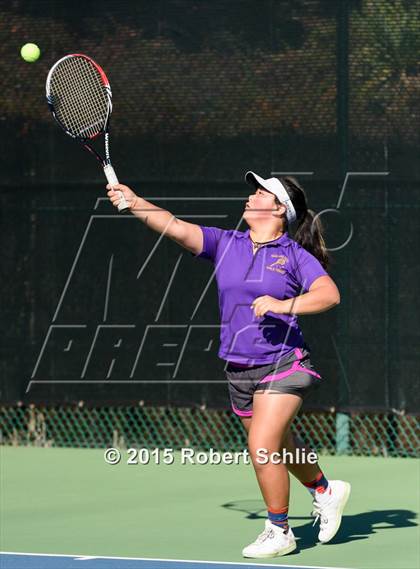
90 86
94 89
80 99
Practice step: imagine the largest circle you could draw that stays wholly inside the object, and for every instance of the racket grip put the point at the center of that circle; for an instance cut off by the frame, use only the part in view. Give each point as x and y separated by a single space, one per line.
113 180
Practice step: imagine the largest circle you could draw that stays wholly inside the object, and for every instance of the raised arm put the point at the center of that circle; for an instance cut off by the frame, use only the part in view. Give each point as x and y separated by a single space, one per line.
188 235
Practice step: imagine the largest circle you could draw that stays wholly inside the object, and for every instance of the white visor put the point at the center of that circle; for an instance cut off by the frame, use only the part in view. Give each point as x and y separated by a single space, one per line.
274 186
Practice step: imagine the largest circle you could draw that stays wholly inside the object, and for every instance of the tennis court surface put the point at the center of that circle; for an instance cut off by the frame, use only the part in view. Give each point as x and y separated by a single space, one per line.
28 561
69 504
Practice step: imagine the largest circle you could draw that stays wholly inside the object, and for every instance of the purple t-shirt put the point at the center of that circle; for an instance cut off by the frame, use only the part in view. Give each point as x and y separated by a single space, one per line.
282 269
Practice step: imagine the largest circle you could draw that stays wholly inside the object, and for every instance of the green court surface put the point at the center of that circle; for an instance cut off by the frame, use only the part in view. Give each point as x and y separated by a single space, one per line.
69 501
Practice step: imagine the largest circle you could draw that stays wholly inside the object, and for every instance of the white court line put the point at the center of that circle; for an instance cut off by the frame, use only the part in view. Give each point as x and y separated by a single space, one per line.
84 557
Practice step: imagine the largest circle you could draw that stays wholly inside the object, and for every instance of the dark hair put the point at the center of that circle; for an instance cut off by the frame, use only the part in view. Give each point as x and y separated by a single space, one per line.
309 232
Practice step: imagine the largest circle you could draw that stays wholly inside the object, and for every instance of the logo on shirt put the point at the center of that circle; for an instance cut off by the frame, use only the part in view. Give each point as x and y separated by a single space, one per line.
278 263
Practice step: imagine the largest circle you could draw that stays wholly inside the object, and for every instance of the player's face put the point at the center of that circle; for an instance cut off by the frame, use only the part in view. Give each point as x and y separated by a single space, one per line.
260 204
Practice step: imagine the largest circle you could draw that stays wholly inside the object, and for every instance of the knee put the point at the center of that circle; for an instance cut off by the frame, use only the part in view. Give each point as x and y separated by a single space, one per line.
254 449
260 452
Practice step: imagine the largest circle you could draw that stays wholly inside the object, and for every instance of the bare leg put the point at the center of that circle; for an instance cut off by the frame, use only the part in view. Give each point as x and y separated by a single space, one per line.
304 472
272 416
246 422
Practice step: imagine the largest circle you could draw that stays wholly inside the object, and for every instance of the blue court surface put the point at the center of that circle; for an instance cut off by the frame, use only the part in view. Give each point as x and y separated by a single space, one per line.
10 560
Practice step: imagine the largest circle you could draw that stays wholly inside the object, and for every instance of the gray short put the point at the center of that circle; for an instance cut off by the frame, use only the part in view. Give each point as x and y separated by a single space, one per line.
295 374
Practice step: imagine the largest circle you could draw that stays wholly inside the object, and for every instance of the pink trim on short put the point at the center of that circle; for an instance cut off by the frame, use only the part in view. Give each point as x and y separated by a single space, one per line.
241 413
278 376
295 368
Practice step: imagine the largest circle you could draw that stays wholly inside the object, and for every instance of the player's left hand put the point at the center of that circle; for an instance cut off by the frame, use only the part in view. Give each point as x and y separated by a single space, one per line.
264 304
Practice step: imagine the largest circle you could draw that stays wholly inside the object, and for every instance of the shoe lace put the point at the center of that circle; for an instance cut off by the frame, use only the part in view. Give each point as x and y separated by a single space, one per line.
318 514
268 533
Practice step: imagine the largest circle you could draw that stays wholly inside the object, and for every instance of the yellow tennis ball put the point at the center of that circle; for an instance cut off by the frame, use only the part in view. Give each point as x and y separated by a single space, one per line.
30 52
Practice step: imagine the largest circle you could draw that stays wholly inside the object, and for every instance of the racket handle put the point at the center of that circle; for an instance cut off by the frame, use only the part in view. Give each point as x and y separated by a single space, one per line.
113 180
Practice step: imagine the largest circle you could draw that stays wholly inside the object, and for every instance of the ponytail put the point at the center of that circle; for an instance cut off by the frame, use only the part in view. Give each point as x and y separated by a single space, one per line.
309 232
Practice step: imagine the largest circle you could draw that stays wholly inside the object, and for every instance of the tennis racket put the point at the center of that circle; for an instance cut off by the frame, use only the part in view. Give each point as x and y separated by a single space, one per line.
80 99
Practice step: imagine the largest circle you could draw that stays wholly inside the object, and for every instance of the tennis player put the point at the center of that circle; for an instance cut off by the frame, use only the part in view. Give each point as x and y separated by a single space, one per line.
266 279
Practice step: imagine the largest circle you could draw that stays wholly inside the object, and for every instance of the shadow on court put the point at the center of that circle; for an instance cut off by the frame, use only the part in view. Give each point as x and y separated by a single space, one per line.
353 527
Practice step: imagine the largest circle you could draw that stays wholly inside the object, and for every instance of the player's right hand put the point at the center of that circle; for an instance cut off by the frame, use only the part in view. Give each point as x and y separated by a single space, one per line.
114 196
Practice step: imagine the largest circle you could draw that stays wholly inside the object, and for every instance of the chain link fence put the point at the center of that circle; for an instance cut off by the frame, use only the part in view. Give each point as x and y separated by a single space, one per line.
362 433
202 92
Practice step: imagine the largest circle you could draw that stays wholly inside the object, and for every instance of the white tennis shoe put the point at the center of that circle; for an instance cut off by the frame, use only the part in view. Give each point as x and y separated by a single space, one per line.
328 508
272 542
